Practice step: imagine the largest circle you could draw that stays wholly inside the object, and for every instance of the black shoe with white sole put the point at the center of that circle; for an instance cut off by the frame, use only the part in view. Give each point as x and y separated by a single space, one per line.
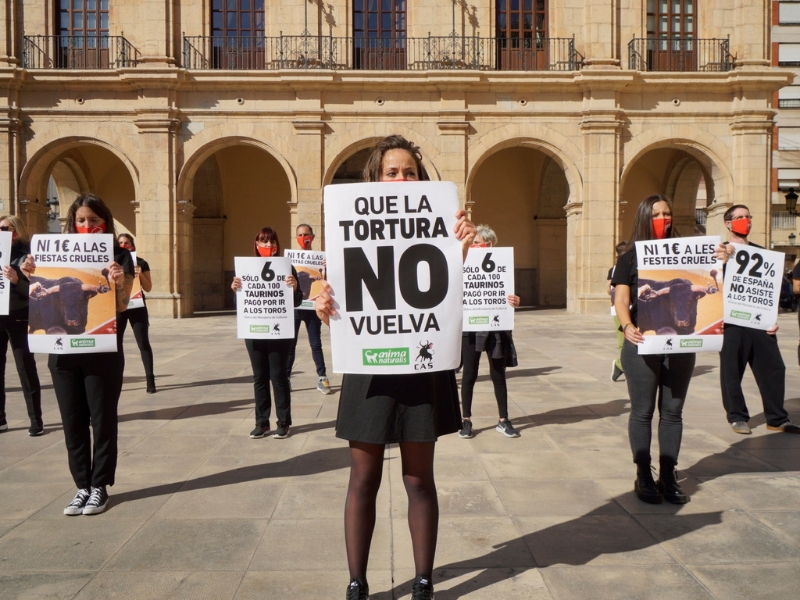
36 428
78 502
260 431
358 590
466 429
97 502
507 429
282 431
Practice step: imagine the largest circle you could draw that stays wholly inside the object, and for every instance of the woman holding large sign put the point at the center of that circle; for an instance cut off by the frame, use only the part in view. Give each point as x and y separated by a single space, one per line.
651 378
88 386
268 357
411 410
14 328
138 316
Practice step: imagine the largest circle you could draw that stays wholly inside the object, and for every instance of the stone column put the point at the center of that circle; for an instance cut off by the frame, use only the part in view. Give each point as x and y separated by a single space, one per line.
752 168
10 127
453 145
309 146
601 34
8 34
157 23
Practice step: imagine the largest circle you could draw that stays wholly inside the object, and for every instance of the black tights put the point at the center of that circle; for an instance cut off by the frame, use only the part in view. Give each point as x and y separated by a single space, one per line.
423 505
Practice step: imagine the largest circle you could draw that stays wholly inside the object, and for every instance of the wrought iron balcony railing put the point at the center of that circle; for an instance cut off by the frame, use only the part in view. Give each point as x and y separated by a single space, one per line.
782 219
78 52
380 54
679 54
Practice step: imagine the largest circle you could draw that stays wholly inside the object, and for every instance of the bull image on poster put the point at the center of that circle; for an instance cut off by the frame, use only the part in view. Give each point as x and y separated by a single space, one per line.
310 267
679 299
72 304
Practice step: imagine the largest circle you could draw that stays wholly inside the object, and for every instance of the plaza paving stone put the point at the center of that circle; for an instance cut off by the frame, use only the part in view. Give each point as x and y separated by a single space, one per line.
202 511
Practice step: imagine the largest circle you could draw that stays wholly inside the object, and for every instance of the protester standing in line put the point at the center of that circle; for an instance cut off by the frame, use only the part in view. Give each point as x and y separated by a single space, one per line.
616 364
661 379
14 328
88 386
268 358
138 317
796 291
743 345
305 237
411 410
499 348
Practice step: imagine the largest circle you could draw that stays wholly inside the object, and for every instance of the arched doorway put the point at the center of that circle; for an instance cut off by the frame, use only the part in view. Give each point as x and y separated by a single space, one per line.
521 192
237 190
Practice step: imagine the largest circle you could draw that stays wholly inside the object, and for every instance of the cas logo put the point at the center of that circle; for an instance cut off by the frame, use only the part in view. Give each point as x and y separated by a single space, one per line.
424 360
668 344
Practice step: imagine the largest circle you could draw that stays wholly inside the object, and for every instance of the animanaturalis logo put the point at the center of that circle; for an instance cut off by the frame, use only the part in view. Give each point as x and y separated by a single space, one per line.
81 343
695 343
382 357
479 320
259 328
738 314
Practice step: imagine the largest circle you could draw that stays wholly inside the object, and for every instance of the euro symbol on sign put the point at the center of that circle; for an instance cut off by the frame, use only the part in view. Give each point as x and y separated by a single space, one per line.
675 248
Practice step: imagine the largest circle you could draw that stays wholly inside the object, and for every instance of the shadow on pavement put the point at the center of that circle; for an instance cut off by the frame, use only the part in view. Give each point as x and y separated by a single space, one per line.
513 372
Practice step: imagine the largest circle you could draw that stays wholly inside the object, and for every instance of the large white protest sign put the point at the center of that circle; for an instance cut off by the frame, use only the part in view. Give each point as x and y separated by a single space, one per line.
753 287
488 281
395 267
72 305
310 267
679 306
5 260
264 305
137 294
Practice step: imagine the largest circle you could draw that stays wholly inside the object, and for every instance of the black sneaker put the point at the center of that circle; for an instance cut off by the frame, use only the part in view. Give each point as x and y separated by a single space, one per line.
97 501
507 429
37 428
78 502
357 590
3 425
282 431
422 589
260 431
466 429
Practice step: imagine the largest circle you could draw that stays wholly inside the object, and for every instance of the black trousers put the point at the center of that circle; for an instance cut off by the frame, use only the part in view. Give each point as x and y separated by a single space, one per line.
314 328
471 359
140 324
14 328
268 359
743 346
87 388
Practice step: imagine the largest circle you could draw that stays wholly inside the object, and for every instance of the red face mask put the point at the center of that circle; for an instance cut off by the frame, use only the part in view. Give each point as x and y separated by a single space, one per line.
741 227
661 227
266 252
484 245
304 241
97 229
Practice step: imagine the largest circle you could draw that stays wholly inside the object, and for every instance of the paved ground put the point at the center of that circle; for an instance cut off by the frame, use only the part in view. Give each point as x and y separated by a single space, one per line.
202 511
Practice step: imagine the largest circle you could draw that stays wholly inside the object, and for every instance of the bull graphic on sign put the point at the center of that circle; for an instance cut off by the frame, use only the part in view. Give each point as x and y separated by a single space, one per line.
425 352
277 328
58 345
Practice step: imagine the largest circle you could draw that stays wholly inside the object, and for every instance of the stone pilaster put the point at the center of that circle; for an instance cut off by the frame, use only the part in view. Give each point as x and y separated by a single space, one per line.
452 161
601 34
310 153
10 127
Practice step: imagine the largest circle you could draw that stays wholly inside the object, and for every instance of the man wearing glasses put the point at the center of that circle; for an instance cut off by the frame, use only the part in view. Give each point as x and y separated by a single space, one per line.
742 346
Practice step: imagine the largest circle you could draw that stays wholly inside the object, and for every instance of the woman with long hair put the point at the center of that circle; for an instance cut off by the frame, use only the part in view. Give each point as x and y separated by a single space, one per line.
138 317
14 328
661 379
410 410
269 357
88 386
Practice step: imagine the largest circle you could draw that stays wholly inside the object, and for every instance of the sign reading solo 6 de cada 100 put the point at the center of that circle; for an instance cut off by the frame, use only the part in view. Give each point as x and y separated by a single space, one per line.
395 267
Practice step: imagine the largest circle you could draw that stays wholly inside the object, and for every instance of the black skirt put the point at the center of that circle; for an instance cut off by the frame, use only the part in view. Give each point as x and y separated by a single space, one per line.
386 409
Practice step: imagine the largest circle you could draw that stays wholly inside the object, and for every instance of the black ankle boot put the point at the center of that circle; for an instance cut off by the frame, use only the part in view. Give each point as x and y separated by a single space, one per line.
151 384
645 486
668 482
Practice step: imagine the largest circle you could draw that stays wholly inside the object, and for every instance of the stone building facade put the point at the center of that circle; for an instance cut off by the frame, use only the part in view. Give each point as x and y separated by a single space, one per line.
200 121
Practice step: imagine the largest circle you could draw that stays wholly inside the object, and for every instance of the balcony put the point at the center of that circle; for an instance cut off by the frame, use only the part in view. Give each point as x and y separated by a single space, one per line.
783 220
379 54
78 52
679 54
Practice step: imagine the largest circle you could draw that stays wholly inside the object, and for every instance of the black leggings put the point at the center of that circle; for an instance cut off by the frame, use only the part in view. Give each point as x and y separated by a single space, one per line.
268 359
471 359
140 323
14 328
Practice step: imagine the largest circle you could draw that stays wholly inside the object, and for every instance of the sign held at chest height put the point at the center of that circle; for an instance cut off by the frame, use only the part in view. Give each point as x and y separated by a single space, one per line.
264 305
310 267
5 260
753 287
395 267
488 281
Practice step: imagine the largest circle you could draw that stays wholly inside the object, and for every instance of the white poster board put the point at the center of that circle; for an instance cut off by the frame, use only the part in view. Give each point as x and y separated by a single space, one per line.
679 306
264 305
395 267
137 295
5 260
753 286
310 267
488 281
72 305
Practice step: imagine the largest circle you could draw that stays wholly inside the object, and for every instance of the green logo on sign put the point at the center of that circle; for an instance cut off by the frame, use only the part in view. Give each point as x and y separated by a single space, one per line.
382 357
81 343
691 343
737 314
259 328
479 320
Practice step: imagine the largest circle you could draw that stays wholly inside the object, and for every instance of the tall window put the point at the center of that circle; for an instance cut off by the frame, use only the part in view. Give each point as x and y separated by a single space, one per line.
379 29
671 35
237 30
82 17
521 31
670 18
